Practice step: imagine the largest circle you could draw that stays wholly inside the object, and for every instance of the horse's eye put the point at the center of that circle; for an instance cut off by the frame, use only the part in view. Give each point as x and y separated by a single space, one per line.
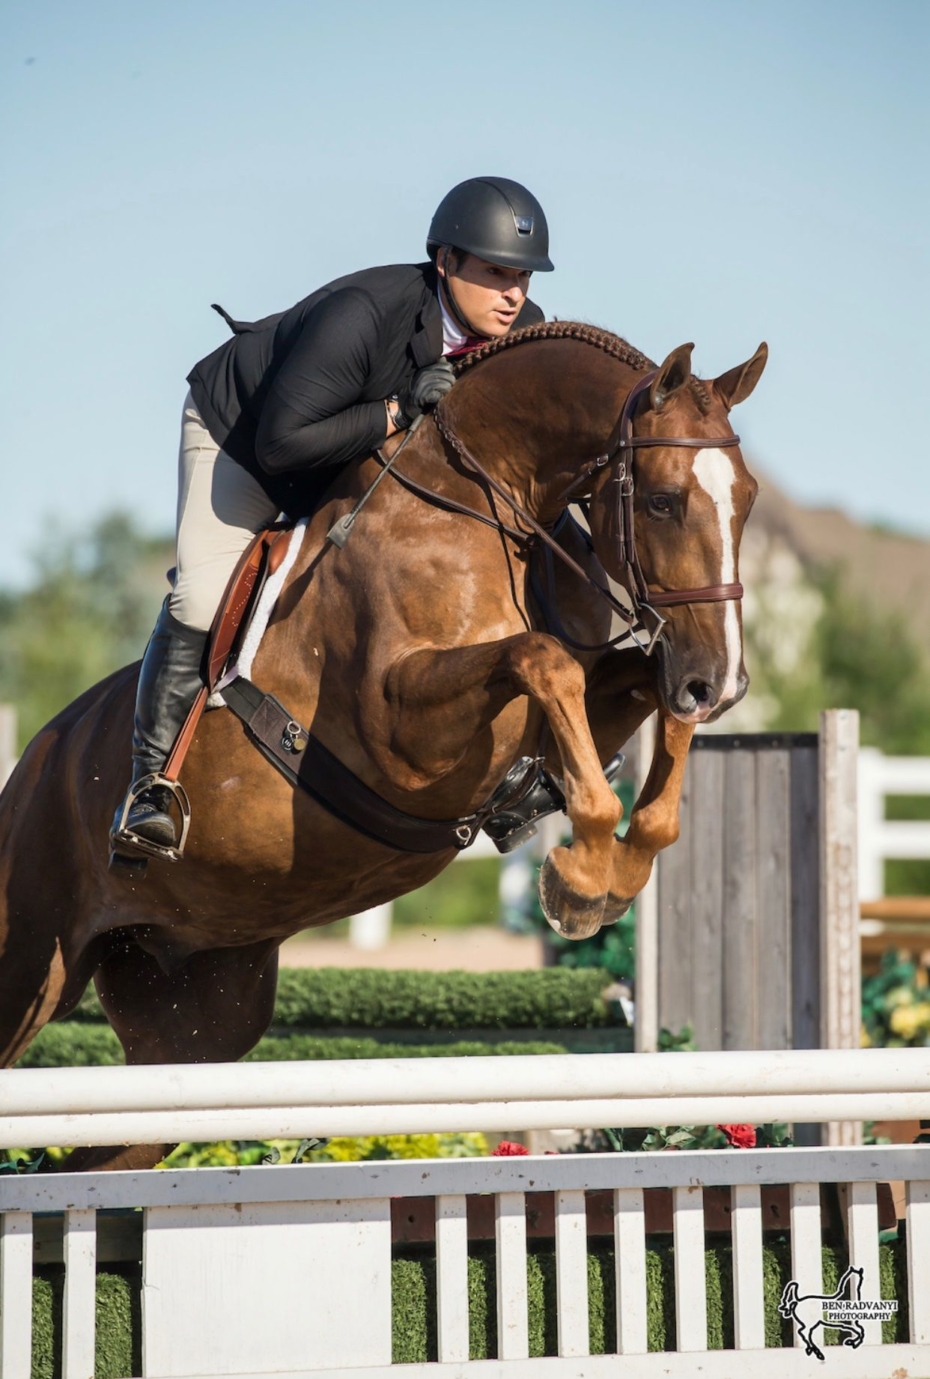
660 502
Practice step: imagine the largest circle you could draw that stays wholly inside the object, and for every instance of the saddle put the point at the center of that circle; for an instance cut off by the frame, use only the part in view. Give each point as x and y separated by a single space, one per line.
260 559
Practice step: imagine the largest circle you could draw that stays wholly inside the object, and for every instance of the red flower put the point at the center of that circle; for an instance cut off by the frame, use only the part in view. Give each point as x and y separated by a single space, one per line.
507 1147
739 1136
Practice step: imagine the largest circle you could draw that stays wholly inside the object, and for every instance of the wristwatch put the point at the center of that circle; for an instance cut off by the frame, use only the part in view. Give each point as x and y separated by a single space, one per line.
396 413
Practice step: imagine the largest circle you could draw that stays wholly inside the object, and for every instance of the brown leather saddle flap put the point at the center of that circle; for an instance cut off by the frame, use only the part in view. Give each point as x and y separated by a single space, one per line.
258 561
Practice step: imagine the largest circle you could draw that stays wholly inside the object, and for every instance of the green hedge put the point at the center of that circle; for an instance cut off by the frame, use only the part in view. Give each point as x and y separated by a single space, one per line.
414 1299
463 1010
366 998
118 1318
72 1044
413 1280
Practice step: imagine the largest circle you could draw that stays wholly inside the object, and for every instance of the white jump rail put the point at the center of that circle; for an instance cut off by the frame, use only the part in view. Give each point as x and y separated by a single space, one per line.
287 1270
120 1105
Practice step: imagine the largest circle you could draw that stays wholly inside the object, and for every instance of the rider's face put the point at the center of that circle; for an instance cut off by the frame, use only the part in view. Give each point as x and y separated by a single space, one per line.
488 296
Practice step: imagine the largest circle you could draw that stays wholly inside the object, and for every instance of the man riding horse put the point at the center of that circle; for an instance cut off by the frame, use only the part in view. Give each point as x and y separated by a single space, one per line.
276 411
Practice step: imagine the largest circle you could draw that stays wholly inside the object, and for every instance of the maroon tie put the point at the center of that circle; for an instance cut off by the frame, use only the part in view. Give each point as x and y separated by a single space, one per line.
472 342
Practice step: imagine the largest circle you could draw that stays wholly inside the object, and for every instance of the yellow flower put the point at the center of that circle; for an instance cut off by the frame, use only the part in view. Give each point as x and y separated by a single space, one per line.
910 1020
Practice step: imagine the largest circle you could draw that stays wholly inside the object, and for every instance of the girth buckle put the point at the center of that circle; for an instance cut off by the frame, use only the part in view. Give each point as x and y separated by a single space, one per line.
294 737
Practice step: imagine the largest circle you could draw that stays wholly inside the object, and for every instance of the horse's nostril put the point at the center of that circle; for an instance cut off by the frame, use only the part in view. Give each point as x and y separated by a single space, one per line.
700 692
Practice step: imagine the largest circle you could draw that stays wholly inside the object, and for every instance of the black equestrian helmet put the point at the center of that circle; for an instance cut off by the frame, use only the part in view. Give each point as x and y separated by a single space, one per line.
495 219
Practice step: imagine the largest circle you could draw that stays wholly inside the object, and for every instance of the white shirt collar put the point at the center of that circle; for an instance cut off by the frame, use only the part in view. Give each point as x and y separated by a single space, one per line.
453 337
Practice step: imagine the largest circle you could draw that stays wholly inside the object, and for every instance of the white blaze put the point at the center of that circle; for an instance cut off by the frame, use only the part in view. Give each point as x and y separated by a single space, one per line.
714 471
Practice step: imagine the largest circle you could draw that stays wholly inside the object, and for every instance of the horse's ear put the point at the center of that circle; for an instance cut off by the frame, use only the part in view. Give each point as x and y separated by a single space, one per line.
674 374
735 386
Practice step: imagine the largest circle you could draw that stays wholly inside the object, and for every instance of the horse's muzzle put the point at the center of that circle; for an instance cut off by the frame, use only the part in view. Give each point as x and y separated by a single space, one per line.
698 700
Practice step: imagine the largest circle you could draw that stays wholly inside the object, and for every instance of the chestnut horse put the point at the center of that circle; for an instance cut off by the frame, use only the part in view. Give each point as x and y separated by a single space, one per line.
418 654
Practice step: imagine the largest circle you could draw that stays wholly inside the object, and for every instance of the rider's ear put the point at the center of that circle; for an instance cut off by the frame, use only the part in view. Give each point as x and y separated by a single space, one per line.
674 374
735 386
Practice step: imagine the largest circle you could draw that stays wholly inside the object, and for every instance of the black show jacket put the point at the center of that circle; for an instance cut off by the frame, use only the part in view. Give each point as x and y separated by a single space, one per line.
294 397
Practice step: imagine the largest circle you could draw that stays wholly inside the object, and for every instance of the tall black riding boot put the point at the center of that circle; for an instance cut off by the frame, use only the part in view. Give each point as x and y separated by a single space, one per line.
514 820
169 679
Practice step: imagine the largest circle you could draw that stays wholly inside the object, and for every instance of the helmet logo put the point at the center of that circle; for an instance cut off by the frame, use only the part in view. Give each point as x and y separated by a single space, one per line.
524 224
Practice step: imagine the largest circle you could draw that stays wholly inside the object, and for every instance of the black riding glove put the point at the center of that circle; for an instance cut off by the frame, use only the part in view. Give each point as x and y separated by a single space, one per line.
427 387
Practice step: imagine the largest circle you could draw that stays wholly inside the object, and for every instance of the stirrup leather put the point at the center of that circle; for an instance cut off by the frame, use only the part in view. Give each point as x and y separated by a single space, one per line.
124 841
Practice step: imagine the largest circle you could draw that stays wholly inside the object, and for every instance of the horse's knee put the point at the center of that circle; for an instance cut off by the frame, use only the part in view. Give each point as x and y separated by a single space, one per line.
656 829
540 663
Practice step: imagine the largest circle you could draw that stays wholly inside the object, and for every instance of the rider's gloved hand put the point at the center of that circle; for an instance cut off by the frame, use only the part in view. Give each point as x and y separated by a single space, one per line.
428 386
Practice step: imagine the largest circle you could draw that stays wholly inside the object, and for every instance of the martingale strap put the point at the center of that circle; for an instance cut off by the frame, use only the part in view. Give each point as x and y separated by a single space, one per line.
306 763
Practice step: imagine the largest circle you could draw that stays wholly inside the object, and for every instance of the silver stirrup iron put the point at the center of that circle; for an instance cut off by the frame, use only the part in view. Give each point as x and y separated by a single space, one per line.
122 840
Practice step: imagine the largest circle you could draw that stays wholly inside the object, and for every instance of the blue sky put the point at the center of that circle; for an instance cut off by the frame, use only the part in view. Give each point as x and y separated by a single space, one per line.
725 173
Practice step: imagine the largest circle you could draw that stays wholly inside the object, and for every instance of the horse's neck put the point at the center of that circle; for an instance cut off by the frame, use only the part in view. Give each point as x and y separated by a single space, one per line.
535 427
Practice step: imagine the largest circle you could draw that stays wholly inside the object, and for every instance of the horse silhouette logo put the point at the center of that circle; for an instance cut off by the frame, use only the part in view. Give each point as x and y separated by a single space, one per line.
832 1309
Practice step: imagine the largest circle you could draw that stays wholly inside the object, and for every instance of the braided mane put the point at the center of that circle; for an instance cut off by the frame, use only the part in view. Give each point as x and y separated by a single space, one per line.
613 345
605 340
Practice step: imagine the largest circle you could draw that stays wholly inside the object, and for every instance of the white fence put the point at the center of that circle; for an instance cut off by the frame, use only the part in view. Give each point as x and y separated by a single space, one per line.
286 1270
879 838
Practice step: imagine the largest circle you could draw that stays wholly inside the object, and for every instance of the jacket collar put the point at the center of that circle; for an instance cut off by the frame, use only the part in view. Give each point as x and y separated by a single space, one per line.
426 343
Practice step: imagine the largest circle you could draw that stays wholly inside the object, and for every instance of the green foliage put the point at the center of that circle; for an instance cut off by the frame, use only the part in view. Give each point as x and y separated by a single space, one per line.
896 1004
682 1042
612 948
458 898
75 1045
89 611
365 998
414 1298
413 1302
859 657
340 1149
631 1140
118 1342
308 1046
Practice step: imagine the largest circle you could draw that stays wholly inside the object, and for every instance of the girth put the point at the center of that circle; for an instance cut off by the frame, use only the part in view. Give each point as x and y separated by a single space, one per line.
306 763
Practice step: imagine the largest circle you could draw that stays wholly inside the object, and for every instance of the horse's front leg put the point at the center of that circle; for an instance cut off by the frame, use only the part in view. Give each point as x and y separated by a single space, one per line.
654 822
622 692
441 699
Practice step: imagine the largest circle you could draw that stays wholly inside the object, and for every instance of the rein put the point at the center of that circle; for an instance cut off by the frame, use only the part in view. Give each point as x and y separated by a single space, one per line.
621 440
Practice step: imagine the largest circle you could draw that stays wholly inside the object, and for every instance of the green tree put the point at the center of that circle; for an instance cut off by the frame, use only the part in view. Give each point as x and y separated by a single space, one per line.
856 656
89 611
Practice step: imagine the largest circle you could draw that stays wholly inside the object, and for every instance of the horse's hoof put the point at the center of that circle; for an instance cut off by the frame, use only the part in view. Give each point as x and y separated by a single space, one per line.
614 909
122 865
570 913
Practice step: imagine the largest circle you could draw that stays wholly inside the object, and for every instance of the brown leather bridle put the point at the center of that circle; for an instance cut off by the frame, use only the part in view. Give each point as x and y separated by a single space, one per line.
622 447
619 450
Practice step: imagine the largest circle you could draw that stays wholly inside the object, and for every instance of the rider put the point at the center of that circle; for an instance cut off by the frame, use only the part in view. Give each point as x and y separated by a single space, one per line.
278 410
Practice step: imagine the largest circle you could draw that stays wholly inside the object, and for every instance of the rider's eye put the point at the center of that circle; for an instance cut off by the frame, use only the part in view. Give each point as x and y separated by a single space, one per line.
660 502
